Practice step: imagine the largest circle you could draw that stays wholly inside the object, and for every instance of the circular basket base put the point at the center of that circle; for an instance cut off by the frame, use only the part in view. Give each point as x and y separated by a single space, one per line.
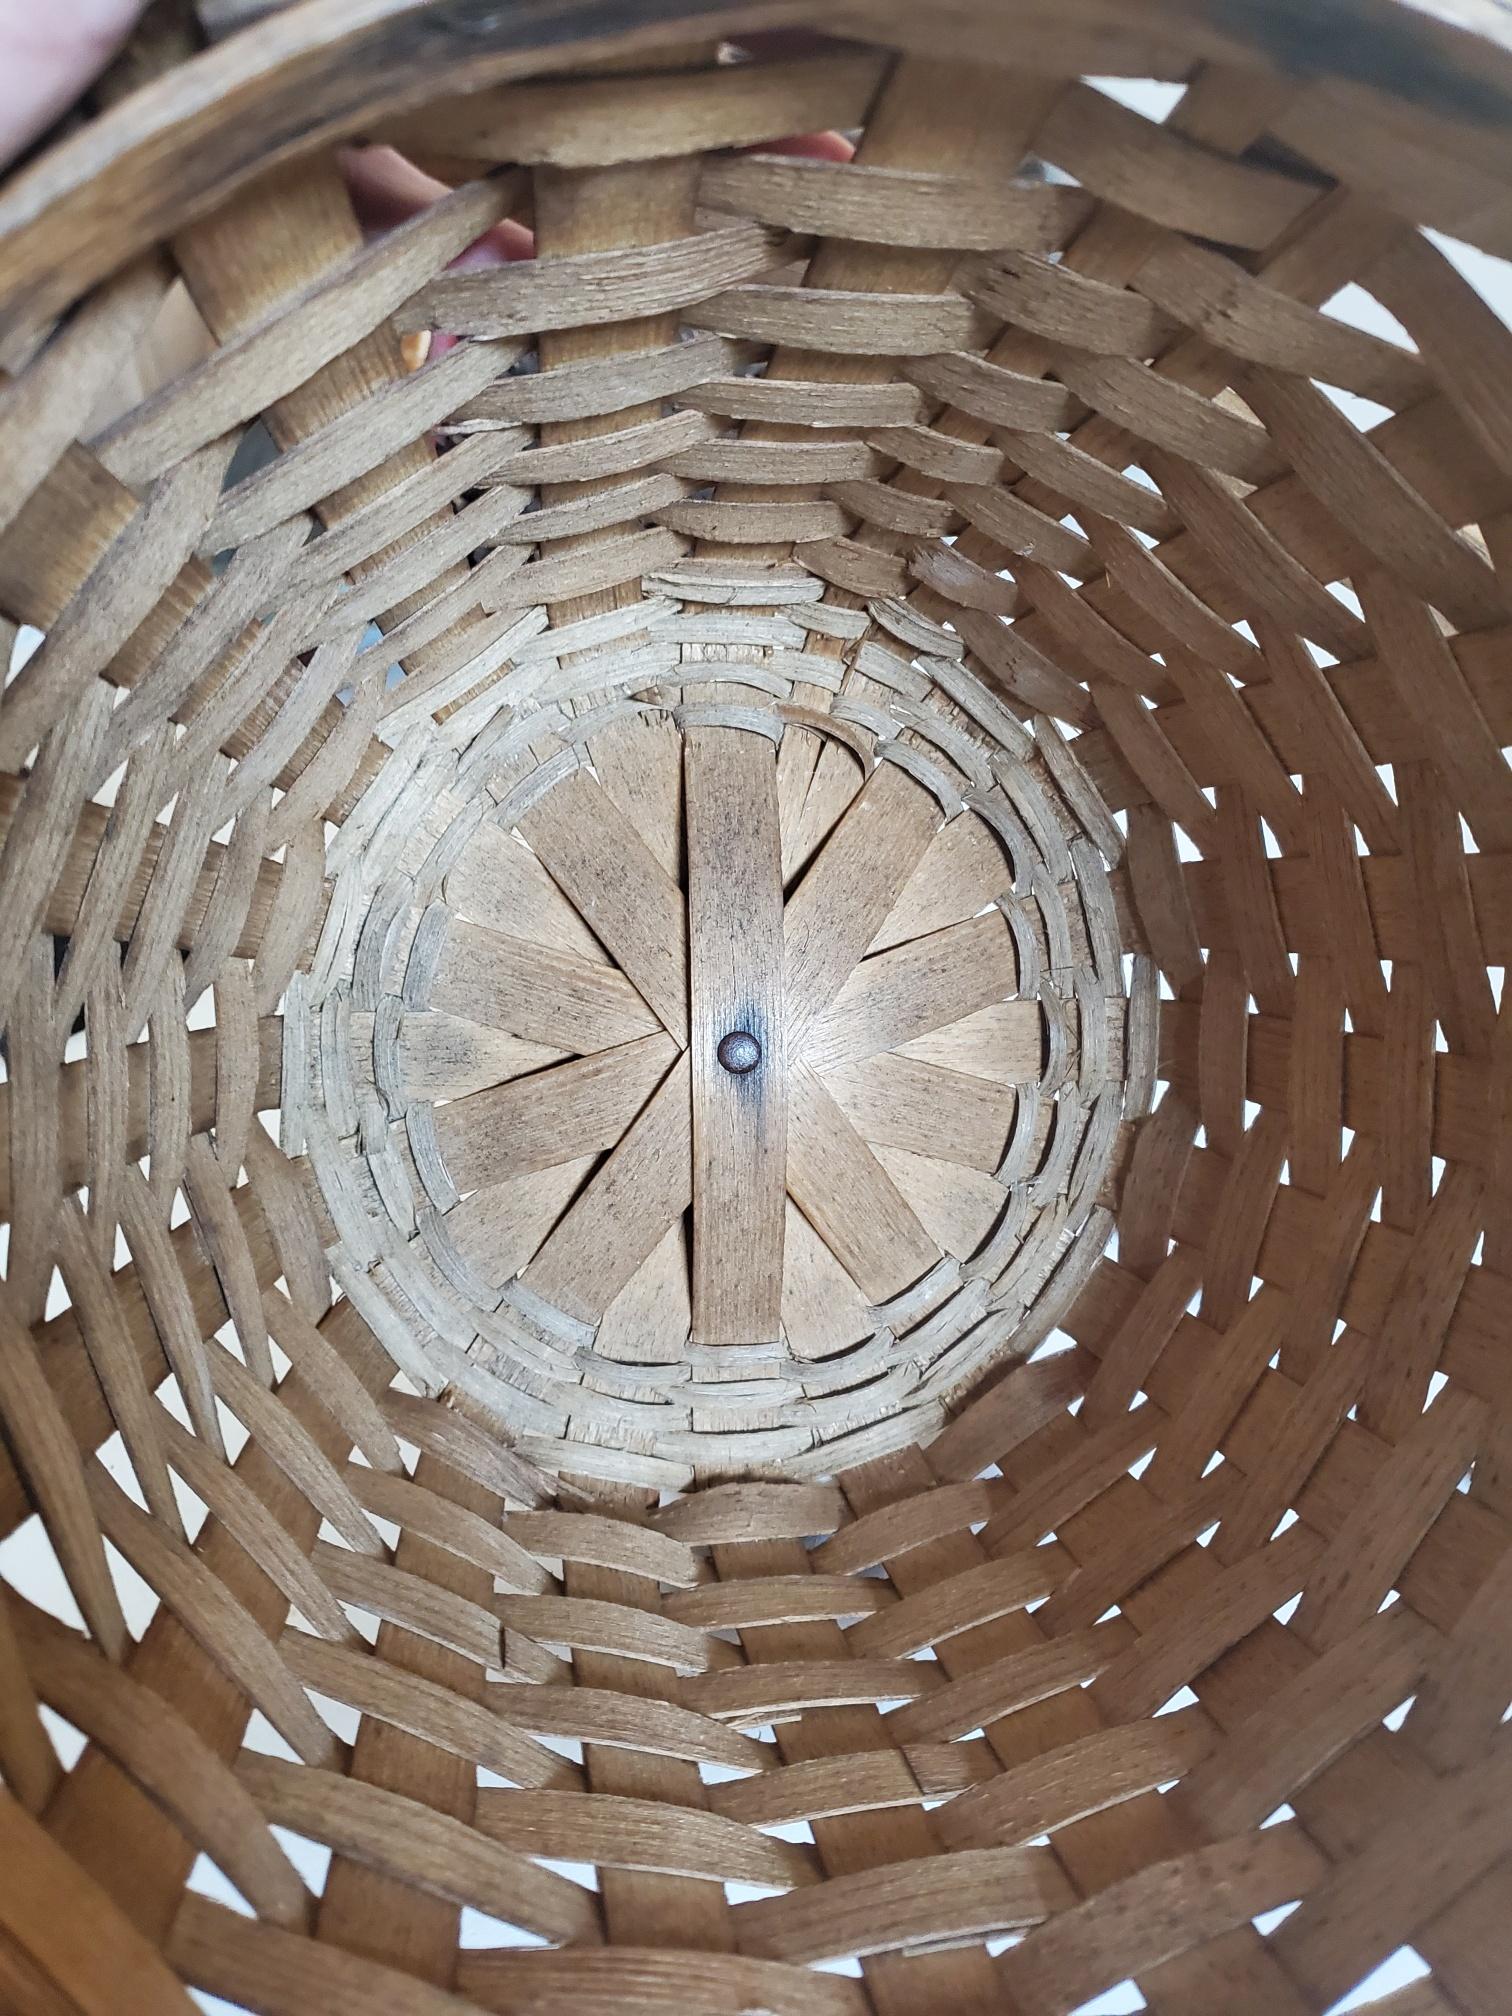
549 1183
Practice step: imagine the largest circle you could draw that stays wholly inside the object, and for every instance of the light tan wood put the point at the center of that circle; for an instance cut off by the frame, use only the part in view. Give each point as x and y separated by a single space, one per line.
997 577
532 992
901 1102
846 1195
588 846
507 1132
896 997
850 891
625 1211
739 1119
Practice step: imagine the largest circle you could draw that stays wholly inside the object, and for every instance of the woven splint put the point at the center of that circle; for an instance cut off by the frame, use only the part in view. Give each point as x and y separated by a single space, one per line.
754 1135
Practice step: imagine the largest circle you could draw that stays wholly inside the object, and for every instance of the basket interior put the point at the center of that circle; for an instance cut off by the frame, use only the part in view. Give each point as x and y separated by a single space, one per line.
969 560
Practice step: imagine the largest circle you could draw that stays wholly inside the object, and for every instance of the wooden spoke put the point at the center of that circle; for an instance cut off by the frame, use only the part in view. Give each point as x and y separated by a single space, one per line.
964 868
441 1057
499 882
498 1228
739 1118
624 1212
924 985
842 901
623 892
556 998
552 1116
848 1197
909 1104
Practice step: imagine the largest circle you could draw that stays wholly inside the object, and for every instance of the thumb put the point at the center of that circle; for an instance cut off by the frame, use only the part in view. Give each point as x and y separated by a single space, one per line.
49 51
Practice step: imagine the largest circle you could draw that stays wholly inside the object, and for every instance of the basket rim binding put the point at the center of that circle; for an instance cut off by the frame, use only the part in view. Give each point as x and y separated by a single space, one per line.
172 155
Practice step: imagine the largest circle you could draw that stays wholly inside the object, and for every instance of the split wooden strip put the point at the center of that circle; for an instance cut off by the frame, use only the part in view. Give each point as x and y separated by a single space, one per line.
614 1832
610 1720
899 995
546 1118
583 289
848 1197
623 1214
836 322
1158 1914
1267 576
586 1624
1083 1777
970 1894
619 888
798 404
851 889
779 1691
775 1599
739 1117
863 1781
413 1843
544 996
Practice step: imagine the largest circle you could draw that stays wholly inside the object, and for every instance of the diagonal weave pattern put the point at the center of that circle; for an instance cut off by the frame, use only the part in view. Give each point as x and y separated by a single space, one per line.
500 1515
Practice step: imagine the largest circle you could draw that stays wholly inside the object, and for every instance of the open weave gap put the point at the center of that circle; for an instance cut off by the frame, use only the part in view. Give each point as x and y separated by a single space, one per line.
1001 1502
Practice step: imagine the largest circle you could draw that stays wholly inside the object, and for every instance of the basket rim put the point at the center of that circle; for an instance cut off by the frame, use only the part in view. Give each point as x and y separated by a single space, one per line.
314 73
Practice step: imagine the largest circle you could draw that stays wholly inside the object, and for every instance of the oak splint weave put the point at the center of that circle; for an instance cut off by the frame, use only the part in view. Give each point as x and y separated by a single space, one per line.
1000 596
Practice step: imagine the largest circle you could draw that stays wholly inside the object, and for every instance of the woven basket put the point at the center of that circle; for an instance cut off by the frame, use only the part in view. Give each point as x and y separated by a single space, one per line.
755 1106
